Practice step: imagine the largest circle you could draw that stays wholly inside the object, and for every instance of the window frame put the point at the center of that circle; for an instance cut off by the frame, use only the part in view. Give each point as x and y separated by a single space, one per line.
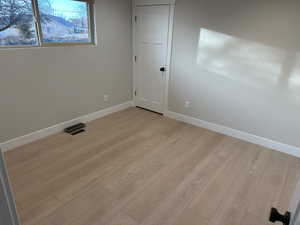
39 32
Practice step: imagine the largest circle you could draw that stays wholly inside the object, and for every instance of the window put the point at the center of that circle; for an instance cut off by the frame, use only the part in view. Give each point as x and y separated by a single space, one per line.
17 25
46 22
64 21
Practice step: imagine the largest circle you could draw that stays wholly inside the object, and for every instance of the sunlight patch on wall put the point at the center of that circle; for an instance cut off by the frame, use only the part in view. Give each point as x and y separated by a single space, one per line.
294 78
247 61
238 59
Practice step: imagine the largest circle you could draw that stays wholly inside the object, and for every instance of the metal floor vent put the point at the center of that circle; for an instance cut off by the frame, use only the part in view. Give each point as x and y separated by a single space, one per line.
75 129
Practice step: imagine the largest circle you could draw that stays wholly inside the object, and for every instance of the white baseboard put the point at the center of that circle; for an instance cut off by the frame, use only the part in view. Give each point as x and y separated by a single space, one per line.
291 150
37 135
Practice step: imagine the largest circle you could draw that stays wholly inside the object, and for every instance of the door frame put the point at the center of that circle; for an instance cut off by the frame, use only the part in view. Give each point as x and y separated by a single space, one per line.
5 186
171 4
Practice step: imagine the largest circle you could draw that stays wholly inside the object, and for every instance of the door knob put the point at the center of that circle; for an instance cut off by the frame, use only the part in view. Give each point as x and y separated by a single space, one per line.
275 216
162 69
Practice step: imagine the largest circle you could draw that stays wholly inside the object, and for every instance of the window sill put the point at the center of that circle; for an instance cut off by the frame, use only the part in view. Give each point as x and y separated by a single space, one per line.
53 45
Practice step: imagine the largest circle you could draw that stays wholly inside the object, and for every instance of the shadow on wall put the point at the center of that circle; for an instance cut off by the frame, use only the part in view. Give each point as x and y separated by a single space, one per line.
251 63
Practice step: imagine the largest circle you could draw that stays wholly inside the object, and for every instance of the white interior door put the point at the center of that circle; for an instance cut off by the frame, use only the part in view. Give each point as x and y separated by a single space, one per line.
295 206
152 27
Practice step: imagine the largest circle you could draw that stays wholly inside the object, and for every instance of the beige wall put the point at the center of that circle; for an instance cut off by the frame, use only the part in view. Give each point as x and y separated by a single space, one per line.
238 63
45 86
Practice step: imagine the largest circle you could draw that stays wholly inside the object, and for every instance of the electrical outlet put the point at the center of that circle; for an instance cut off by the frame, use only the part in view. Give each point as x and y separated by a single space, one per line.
106 98
187 104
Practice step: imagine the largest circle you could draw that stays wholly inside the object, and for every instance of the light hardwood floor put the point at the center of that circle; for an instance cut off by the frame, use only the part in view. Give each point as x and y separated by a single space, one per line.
139 168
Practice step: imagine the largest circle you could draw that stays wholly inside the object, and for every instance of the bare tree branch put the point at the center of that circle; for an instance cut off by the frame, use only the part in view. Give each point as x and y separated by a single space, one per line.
14 12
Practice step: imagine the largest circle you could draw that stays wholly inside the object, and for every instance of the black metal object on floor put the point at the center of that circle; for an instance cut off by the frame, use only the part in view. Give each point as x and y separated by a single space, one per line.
75 129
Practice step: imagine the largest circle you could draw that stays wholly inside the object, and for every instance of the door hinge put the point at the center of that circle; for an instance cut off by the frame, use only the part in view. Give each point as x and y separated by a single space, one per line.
135 18
135 93
135 58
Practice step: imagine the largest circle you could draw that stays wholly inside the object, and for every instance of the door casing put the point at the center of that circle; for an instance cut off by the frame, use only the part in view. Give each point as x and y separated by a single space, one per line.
171 4
8 211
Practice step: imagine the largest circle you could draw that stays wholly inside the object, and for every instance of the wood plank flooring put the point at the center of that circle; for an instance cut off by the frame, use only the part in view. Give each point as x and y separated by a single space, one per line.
138 168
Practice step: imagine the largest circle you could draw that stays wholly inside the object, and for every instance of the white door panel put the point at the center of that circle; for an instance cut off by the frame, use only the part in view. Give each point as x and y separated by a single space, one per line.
295 206
151 49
